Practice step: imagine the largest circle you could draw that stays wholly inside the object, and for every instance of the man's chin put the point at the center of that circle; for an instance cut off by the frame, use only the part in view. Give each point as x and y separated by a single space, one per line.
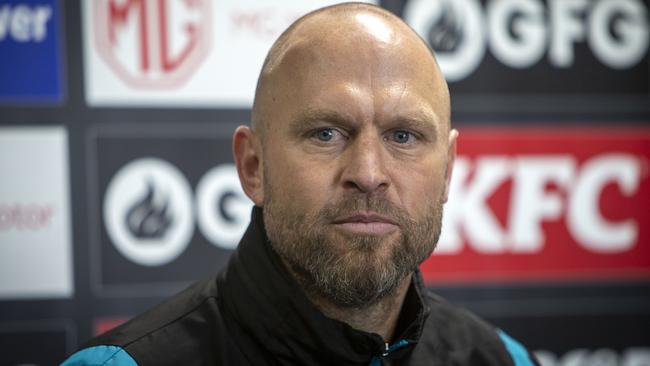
346 243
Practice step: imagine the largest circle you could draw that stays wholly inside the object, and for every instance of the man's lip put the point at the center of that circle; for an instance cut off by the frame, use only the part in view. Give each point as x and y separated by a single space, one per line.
366 218
366 223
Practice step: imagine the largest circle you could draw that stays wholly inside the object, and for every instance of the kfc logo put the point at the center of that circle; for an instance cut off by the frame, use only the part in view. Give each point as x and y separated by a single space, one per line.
153 43
546 205
531 203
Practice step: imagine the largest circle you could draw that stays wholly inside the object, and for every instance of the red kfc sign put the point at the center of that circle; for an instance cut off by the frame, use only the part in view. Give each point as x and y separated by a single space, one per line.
546 205
153 43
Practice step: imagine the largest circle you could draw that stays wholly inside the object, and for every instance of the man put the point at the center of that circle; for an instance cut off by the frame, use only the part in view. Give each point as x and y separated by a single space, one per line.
348 162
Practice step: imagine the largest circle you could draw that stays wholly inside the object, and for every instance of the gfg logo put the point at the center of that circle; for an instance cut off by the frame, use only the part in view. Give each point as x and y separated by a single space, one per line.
152 44
149 210
520 32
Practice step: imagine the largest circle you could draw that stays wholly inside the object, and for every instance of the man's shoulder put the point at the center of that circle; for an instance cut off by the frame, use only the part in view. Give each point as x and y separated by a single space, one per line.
198 300
184 324
455 322
467 339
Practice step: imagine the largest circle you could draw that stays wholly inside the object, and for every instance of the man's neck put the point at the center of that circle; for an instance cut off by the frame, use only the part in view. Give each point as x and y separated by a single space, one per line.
380 318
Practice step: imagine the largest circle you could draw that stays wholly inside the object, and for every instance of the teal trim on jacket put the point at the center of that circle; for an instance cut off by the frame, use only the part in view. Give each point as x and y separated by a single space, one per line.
100 356
518 352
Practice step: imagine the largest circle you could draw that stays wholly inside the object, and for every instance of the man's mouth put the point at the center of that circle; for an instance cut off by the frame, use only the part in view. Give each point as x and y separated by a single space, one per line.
366 223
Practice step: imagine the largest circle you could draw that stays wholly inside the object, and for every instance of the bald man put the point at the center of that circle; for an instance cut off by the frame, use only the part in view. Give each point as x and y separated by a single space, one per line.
348 162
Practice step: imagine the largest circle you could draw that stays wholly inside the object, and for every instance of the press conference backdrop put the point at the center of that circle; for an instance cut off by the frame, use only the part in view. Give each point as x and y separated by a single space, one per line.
117 186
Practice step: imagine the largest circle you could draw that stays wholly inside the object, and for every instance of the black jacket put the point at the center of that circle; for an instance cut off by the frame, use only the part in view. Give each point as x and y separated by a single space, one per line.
254 313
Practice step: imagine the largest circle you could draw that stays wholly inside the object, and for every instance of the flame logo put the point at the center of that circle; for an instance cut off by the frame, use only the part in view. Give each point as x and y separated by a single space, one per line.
147 219
446 33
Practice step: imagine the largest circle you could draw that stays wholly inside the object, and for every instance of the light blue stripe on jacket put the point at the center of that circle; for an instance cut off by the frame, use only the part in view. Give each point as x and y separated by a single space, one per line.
100 356
518 352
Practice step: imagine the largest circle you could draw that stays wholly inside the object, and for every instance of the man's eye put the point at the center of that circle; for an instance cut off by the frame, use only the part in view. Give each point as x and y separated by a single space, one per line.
325 134
402 137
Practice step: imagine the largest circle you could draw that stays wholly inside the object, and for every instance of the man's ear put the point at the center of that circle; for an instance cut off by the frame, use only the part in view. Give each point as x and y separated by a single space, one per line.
451 156
247 152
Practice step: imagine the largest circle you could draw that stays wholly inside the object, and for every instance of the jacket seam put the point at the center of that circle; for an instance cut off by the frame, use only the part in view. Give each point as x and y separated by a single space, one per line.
216 298
112 356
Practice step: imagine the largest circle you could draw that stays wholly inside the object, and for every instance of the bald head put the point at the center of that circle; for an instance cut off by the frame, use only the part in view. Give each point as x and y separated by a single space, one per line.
356 39
351 119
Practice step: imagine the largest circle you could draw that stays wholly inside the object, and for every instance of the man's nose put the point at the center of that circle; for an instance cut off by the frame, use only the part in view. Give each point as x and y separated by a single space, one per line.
365 165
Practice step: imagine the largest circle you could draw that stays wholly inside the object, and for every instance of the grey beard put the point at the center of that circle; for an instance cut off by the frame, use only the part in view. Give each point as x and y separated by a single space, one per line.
358 276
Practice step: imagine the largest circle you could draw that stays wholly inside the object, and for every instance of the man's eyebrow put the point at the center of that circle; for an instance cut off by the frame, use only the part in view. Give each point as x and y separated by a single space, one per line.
422 122
315 117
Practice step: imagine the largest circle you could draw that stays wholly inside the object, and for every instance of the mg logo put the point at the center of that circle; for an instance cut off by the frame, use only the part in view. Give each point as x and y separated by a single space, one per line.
152 43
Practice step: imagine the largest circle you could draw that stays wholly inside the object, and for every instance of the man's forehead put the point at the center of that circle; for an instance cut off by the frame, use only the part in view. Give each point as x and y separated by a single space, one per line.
356 55
363 87
354 46
370 102
346 28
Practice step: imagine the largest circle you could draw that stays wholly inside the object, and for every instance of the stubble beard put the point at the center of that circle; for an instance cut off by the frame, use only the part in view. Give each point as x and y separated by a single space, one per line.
349 270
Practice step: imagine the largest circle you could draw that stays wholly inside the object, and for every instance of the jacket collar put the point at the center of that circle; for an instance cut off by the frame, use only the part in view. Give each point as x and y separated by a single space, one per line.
265 309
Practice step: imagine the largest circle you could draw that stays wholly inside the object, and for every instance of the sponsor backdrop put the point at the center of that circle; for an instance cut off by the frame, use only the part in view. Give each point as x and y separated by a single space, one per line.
118 187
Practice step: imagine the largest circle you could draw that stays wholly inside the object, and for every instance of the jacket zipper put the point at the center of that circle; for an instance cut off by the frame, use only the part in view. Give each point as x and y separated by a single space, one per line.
386 351
376 361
